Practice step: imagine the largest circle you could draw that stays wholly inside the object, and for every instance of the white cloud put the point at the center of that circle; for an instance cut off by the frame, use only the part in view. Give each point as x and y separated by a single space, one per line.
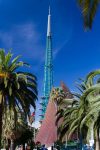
63 41
59 48
25 39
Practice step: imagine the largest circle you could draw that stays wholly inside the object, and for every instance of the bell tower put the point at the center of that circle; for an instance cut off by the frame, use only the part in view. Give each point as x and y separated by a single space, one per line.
48 69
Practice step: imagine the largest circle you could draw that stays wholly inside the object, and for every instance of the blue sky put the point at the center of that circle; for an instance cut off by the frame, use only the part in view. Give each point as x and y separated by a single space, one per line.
23 26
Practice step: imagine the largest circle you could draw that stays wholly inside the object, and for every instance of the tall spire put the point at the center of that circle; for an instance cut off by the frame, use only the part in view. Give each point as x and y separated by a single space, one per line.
49 24
48 69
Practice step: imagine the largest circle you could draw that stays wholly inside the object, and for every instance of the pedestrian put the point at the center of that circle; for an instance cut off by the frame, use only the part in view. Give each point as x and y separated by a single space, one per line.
38 145
28 147
43 147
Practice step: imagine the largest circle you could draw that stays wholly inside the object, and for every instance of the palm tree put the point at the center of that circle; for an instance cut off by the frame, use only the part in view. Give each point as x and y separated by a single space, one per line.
18 90
89 9
10 132
93 118
26 137
87 111
74 113
93 115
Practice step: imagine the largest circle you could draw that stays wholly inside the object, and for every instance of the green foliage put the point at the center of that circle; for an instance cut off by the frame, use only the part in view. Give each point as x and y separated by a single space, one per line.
89 9
26 136
58 144
18 90
84 115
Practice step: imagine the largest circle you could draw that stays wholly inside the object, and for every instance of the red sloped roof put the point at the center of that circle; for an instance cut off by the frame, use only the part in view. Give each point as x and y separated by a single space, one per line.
48 131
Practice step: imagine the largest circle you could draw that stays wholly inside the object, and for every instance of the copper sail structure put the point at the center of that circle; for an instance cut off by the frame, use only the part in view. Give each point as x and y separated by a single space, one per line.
48 131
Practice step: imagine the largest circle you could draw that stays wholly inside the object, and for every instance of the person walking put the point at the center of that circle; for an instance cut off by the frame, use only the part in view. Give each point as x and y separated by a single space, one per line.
43 148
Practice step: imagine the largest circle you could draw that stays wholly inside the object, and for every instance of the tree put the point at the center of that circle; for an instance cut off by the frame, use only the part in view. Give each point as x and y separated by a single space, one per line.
86 113
9 132
63 99
26 137
89 9
74 112
18 90
93 114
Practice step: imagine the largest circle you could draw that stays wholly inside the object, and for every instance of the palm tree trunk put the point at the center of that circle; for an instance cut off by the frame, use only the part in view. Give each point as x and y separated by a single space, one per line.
97 143
1 109
12 145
